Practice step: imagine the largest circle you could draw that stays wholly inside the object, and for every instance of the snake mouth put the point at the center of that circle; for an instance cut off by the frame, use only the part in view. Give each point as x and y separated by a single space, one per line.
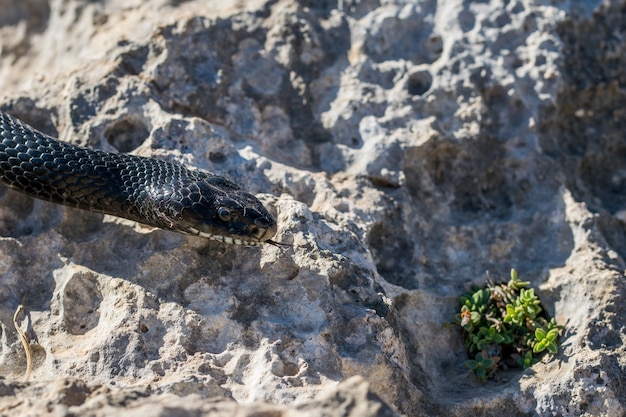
234 240
255 233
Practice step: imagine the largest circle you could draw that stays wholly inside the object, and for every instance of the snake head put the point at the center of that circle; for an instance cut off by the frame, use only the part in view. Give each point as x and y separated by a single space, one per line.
220 210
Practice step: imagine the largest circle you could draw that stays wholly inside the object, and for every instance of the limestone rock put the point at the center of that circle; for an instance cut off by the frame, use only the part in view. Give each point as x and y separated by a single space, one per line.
405 147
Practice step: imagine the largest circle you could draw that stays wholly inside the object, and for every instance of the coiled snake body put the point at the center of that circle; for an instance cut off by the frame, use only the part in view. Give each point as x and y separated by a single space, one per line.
147 190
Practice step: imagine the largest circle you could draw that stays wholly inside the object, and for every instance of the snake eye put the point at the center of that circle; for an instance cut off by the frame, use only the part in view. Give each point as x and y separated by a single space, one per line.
224 214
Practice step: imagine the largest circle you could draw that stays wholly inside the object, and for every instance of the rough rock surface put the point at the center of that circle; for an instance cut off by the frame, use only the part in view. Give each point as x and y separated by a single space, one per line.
406 147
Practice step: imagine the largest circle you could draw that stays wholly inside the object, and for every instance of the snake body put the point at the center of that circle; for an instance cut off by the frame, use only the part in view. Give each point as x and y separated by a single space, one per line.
147 190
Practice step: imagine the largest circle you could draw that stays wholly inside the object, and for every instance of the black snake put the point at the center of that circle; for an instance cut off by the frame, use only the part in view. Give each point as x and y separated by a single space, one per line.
147 190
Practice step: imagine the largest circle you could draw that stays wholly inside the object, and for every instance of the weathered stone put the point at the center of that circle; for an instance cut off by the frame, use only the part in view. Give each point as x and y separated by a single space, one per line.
406 148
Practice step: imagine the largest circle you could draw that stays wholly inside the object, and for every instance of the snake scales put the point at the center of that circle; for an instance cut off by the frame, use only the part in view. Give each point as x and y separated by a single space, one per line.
147 190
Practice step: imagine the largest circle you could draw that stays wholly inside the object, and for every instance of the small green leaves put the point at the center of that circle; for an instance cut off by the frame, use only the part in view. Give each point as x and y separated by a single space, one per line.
546 337
507 319
527 360
525 307
481 364
477 300
515 284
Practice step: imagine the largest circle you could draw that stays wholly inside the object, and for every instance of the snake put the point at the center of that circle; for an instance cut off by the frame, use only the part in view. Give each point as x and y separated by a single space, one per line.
150 191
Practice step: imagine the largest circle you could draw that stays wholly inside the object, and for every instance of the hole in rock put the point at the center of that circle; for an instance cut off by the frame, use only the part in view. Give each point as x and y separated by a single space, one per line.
81 300
392 251
126 135
217 157
419 83
21 215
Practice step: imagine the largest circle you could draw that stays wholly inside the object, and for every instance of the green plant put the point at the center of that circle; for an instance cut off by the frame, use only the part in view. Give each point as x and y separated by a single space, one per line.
527 360
507 321
481 364
525 306
546 337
